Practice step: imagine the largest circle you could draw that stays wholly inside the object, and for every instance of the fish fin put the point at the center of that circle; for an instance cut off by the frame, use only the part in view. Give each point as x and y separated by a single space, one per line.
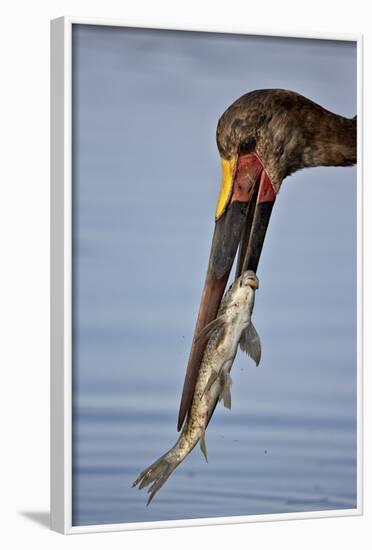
156 486
155 476
207 331
216 374
226 383
250 343
211 413
203 446
213 377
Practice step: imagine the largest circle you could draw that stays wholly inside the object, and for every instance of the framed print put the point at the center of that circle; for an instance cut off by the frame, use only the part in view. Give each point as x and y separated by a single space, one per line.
206 220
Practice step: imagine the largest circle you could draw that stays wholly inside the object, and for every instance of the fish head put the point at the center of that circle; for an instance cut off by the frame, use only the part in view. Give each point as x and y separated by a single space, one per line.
248 278
241 292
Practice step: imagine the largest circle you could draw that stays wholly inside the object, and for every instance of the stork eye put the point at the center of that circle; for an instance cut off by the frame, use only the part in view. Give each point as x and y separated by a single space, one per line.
248 145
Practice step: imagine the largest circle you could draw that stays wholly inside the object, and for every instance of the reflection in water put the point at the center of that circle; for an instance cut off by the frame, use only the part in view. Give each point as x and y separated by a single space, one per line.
141 239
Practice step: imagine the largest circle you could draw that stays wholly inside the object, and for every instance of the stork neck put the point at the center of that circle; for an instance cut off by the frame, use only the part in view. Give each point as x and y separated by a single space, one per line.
335 144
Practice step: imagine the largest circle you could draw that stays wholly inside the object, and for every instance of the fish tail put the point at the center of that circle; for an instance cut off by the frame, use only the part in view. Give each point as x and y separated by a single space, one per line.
156 475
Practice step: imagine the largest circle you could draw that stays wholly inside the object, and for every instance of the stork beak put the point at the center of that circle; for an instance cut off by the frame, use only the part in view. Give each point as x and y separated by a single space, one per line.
242 217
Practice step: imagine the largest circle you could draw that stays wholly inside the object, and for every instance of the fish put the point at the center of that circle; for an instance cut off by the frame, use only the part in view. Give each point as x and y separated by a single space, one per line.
232 326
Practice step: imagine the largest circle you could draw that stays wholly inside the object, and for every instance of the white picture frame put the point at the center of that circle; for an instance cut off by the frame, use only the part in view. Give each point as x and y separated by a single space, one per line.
61 284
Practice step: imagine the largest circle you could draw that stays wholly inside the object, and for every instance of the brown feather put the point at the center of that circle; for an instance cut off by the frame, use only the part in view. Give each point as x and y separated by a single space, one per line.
290 132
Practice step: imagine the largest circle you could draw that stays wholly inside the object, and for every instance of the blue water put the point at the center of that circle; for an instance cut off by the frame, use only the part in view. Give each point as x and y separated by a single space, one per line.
145 180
